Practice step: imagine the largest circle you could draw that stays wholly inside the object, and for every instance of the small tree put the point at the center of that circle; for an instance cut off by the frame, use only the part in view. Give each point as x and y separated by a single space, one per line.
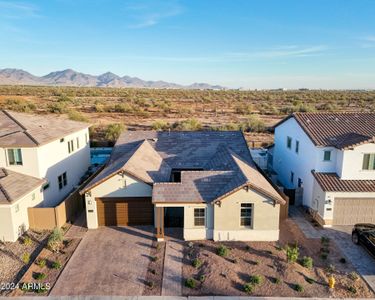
113 131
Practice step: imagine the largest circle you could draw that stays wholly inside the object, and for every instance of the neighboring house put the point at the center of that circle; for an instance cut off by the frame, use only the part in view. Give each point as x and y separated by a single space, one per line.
205 182
17 193
331 156
43 149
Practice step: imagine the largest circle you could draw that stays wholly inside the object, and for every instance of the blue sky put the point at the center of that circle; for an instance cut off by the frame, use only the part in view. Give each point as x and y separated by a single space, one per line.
235 43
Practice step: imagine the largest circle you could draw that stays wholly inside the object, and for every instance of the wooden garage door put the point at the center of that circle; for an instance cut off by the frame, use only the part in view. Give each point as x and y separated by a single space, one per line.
124 211
349 211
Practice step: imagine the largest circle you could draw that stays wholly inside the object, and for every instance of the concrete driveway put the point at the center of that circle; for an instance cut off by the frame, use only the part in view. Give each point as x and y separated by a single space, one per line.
108 261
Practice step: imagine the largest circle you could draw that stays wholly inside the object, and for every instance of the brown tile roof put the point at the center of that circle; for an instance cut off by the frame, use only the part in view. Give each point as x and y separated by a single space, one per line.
330 182
26 130
223 156
340 130
14 185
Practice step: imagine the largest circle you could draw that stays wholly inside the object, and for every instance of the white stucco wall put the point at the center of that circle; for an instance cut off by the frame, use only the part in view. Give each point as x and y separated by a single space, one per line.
51 160
352 161
11 220
116 186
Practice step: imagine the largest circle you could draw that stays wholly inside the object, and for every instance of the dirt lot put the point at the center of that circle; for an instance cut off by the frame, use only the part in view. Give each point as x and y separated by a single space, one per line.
12 267
227 275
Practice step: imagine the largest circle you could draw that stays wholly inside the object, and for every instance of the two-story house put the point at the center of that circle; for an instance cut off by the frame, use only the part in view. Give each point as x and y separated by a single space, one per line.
42 159
331 156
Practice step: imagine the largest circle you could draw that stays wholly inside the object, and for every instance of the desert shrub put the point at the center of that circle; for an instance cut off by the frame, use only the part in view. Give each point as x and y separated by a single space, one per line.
298 288
202 278
222 250
292 253
158 246
253 124
248 288
113 131
41 263
19 105
58 108
39 276
330 269
26 258
27 241
187 125
56 265
150 284
309 280
353 276
76 116
160 125
55 240
196 263
190 283
307 262
152 271
256 279
276 280
247 247
324 256
64 98
352 289
154 258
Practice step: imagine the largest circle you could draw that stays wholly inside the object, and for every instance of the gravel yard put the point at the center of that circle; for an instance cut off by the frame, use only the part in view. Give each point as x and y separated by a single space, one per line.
13 256
262 269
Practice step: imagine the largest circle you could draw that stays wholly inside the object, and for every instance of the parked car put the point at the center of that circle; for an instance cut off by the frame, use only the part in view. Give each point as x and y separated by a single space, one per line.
364 234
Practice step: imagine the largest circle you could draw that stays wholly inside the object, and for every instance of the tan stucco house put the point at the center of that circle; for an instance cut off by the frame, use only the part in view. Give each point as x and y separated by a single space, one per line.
205 182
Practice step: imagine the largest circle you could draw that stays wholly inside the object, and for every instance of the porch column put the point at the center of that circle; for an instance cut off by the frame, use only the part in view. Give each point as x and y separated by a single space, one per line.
159 224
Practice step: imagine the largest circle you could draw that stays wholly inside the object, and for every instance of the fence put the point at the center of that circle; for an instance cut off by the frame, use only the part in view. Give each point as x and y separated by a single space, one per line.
41 218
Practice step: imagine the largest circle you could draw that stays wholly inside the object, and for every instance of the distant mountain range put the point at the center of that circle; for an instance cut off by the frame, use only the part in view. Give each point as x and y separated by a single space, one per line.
72 78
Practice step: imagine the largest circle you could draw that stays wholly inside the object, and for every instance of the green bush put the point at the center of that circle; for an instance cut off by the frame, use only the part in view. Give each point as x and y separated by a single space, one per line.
256 279
248 288
76 116
325 240
307 262
188 125
58 108
160 125
27 241
324 256
26 258
56 265
150 284
55 240
292 253
19 105
298 288
113 131
39 276
222 251
154 258
353 276
202 278
190 283
196 263
352 289
41 263
276 280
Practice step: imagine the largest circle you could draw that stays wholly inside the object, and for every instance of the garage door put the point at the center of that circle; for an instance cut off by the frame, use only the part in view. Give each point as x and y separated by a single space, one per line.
349 211
124 211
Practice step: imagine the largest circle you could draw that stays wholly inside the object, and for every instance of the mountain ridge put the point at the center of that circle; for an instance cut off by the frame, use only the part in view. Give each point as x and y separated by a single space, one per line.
70 77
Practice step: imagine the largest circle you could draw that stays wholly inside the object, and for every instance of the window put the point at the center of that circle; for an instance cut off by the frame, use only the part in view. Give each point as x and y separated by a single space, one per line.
15 157
246 214
70 146
32 196
77 139
327 155
297 146
62 140
17 208
291 177
289 142
199 216
299 182
368 161
86 138
62 180
46 186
